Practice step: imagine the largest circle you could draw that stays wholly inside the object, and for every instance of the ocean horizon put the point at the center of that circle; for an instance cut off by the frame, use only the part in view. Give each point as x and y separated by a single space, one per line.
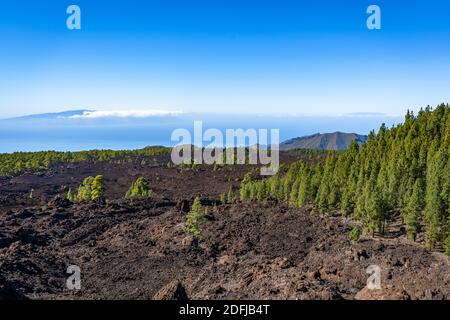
42 133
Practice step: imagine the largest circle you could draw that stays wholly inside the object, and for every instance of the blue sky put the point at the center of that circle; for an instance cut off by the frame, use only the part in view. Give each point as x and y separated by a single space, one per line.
264 57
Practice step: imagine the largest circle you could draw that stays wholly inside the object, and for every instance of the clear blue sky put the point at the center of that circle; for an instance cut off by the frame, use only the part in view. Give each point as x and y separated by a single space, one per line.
300 57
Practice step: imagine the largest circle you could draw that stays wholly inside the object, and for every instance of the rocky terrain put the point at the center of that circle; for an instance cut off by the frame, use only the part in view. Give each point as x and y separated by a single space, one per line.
137 249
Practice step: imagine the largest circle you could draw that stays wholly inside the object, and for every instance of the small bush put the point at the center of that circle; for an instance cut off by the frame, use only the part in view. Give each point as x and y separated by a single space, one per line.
139 188
355 234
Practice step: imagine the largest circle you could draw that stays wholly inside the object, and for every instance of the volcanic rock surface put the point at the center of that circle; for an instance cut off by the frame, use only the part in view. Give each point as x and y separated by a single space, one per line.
137 249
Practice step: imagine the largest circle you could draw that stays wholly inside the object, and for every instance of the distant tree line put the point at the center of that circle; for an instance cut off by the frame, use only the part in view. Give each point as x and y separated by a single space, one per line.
401 172
15 163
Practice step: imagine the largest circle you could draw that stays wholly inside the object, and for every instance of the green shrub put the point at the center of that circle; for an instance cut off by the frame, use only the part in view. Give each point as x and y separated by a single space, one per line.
139 188
355 234
91 189
195 218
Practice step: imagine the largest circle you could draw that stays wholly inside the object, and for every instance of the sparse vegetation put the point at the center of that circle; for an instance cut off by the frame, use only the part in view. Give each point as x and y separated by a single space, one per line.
243 234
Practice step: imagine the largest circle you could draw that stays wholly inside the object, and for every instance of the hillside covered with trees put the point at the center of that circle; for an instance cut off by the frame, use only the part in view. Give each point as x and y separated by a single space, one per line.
401 172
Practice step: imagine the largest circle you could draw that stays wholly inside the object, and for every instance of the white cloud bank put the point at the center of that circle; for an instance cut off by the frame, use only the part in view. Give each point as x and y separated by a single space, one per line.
125 114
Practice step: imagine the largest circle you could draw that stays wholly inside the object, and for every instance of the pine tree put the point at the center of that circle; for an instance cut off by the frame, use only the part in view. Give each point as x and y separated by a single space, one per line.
435 215
245 190
84 190
261 190
413 211
91 189
374 211
97 188
139 188
325 197
305 192
293 197
195 218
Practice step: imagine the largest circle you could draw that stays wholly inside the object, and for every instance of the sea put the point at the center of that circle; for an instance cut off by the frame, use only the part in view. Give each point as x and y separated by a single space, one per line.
124 134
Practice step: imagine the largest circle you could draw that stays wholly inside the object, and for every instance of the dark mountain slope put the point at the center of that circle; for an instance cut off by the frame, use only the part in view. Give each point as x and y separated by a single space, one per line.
326 141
